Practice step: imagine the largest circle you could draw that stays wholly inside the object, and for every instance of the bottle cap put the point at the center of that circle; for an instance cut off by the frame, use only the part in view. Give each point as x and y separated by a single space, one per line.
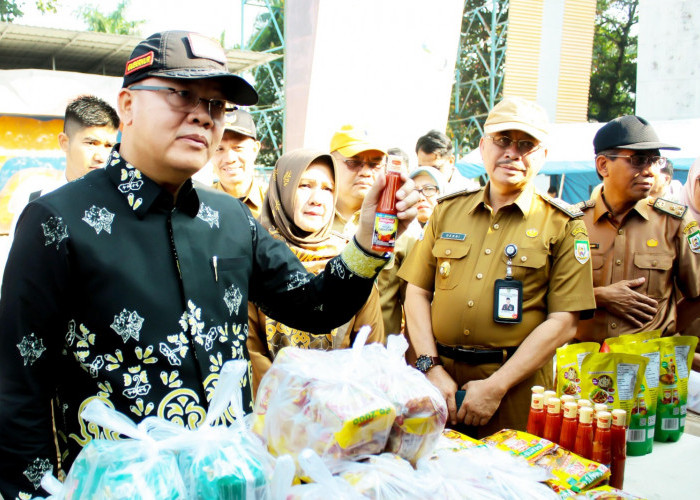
549 394
604 419
585 415
584 402
394 163
619 417
567 398
570 410
598 407
537 389
553 405
537 401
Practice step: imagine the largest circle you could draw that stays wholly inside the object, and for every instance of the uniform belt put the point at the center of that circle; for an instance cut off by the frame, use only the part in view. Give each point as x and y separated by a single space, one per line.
475 355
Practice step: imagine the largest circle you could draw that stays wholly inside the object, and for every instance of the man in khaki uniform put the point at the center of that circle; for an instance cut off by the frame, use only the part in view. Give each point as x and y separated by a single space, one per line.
358 163
234 161
641 246
450 307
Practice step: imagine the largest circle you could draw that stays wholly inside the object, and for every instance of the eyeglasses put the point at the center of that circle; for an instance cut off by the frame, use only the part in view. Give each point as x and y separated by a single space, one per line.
187 101
524 146
357 164
643 161
428 190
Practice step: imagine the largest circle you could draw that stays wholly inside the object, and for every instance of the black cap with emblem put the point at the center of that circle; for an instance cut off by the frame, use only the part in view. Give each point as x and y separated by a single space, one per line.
185 55
628 132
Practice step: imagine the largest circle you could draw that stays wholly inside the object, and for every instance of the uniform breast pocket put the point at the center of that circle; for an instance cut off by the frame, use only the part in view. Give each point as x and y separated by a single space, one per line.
529 265
597 262
657 271
450 255
230 270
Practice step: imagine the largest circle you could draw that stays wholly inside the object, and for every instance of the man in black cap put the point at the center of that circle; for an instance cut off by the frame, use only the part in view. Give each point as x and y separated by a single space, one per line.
130 285
641 246
234 161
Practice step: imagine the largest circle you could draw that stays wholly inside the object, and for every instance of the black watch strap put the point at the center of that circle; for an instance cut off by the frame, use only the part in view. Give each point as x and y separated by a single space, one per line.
424 362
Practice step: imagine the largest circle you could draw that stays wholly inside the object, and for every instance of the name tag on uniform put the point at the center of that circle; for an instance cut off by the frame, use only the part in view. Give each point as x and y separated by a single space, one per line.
453 236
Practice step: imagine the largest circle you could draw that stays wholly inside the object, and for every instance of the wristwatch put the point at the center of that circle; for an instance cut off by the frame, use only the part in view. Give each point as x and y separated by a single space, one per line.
424 362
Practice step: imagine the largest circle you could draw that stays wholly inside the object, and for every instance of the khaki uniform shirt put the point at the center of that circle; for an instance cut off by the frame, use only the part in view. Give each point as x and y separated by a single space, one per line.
254 198
658 244
346 227
462 254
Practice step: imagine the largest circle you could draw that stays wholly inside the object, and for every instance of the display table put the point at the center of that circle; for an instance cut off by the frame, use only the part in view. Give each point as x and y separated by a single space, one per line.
670 471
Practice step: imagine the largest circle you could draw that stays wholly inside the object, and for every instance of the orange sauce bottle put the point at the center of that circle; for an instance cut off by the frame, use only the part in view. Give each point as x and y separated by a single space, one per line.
535 419
583 446
618 445
597 408
386 222
552 422
569 424
602 451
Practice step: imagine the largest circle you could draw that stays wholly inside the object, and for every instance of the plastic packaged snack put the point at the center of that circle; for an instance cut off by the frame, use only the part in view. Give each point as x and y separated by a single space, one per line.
613 379
569 360
606 493
454 441
314 399
421 411
122 469
216 461
642 418
571 472
630 337
324 485
676 356
520 443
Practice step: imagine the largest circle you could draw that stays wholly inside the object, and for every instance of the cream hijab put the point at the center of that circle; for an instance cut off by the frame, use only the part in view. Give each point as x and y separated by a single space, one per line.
690 189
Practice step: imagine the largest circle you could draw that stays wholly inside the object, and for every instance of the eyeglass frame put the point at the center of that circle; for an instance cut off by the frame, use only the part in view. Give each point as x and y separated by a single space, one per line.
659 161
362 163
516 142
227 107
437 190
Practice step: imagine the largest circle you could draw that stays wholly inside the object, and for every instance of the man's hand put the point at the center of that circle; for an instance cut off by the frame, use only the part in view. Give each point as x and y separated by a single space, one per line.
406 198
619 299
447 387
481 401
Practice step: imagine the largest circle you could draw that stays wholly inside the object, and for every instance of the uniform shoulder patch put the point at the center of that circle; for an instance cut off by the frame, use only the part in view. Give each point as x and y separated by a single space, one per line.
570 210
584 205
676 210
458 193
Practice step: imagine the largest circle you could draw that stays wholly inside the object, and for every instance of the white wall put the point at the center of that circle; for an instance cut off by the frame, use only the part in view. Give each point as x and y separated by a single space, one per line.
668 62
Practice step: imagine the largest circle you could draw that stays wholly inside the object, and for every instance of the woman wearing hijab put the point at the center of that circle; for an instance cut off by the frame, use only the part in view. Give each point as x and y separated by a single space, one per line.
690 195
298 210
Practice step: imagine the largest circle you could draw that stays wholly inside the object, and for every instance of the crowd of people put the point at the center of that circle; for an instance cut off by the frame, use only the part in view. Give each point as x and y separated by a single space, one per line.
133 284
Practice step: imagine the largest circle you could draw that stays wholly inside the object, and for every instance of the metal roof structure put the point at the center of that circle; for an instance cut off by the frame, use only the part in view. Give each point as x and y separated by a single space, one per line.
23 47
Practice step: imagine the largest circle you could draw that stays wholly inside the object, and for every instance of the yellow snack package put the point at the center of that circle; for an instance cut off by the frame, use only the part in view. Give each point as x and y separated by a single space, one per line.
676 355
607 493
572 473
642 418
520 443
569 359
451 440
612 378
630 337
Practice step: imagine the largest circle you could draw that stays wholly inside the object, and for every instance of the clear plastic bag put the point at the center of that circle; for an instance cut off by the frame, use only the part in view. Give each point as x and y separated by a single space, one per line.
135 468
324 485
316 399
216 461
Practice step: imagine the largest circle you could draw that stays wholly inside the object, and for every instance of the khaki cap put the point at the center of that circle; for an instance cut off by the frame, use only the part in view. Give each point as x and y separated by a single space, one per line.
516 113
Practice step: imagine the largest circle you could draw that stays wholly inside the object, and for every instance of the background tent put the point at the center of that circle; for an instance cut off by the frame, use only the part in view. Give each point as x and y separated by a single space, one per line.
571 159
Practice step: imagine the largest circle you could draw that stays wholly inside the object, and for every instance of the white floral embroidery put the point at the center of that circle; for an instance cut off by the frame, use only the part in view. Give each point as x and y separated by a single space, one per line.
192 320
207 340
70 336
180 347
94 367
127 324
100 219
208 215
131 181
31 348
233 298
139 378
297 279
55 231
37 469
338 269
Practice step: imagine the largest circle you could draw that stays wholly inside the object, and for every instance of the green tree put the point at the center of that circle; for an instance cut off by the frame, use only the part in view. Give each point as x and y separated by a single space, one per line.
113 22
11 9
614 62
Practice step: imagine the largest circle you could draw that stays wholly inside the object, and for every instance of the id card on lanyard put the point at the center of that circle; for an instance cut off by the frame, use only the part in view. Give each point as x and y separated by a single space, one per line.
508 293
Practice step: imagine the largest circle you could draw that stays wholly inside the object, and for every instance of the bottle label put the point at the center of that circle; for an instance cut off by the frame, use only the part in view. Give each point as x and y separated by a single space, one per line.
384 237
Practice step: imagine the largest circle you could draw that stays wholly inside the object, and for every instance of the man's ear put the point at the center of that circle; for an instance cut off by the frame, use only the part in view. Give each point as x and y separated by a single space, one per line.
125 104
601 165
63 141
451 159
257 146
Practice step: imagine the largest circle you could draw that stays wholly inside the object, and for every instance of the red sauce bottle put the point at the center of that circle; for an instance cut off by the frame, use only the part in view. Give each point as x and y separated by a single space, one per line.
386 222
552 422
583 446
567 438
537 389
535 419
597 408
618 445
602 451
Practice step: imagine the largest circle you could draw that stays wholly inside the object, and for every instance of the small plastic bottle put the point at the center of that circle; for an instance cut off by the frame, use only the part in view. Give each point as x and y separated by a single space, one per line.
537 389
597 408
584 402
535 419
569 425
583 446
547 395
567 398
602 452
386 222
618 445
552 422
